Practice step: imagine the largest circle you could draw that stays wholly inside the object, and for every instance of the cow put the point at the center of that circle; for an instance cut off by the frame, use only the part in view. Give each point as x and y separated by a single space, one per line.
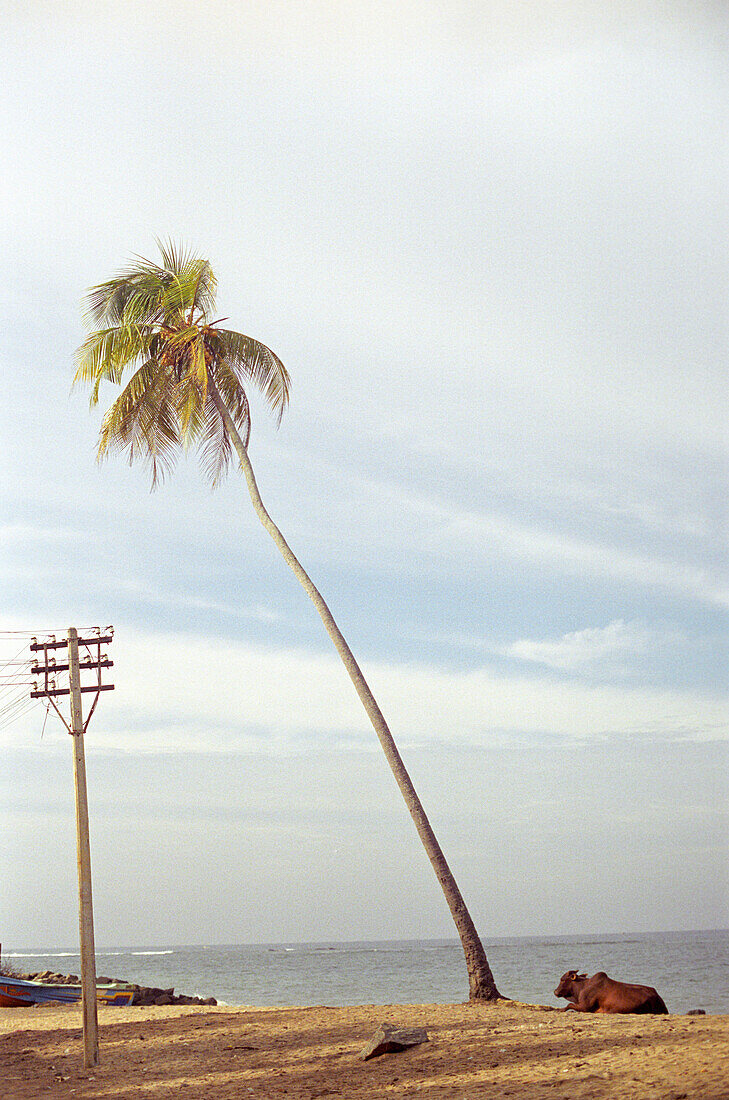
601 994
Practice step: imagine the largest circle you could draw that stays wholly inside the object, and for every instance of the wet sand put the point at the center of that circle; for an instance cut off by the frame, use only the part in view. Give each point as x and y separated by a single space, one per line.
504 1050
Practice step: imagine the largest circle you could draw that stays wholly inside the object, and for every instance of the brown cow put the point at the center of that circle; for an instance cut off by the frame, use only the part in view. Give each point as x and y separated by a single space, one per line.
601 994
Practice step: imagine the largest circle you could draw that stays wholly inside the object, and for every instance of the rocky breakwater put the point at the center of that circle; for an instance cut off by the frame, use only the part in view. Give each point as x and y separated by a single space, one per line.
143 994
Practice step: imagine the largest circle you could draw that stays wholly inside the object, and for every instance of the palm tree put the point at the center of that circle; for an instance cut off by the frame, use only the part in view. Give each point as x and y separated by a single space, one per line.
189 388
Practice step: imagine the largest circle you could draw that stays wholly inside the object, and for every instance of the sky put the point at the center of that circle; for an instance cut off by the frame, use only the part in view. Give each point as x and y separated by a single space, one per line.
488 240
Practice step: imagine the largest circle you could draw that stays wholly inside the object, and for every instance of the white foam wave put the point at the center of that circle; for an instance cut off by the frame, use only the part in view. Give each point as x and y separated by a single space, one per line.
75 954
40 954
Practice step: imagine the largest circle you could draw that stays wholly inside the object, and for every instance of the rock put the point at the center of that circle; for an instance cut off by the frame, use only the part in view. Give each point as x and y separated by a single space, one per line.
696 1012
144 995
149 996
389 1040
164 999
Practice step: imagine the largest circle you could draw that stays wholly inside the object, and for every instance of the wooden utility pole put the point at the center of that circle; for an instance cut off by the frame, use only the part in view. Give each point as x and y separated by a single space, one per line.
77 728
83 859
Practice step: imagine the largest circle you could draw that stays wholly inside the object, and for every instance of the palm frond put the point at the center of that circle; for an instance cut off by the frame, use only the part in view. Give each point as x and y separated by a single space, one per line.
190 401
181 337
193 286
206 289
108 303
198 362
141 300
143 421
105 354
235 399
215 446
175 257
254 362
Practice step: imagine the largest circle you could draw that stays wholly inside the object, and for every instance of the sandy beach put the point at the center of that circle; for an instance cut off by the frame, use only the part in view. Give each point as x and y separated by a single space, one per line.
504 1050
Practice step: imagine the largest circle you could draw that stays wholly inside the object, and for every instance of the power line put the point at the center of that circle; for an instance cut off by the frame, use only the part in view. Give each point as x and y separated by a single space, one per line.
8 717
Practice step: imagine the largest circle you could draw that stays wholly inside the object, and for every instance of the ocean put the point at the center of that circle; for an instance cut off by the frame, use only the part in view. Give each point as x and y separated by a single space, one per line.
689 969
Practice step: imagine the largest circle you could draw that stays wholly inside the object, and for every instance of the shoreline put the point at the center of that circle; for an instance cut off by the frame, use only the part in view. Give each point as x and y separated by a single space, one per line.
474 1050
688 970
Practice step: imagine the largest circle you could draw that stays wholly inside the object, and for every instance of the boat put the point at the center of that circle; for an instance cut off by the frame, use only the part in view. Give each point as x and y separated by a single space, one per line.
19 993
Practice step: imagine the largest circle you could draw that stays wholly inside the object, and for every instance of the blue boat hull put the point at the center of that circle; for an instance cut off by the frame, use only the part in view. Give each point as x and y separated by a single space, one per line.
18 993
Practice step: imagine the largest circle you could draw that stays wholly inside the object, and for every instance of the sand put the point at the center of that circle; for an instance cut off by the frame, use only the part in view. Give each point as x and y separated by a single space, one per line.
504 1050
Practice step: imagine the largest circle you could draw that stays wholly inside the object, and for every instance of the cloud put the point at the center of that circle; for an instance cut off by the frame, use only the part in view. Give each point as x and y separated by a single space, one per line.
580 648
177 693
570 553
148 595
478 534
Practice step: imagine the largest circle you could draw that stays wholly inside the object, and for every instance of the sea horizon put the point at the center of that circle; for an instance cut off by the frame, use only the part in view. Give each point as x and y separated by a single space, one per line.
167 945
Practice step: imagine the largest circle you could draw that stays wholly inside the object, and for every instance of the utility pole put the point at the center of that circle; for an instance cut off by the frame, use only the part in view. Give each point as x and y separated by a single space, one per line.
76 727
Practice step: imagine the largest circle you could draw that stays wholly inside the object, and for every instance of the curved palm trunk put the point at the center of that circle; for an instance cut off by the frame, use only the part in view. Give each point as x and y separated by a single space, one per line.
480 978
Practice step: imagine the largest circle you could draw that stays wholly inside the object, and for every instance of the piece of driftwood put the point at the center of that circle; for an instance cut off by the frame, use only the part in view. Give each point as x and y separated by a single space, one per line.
390 1040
